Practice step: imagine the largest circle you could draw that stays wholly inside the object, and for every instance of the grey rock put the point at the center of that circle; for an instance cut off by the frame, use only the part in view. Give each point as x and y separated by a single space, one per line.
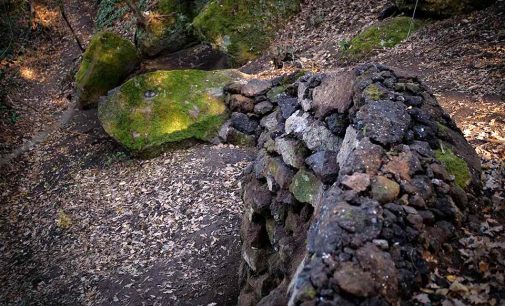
243 123
337 123
270 121
297 123
280 172
256 195
256 88
288 105
317 137
263 107
292 151
324 164
384 121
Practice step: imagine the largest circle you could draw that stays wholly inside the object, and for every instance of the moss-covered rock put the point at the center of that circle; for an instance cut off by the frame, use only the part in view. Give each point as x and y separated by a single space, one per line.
385 34
441 8
306 187
155 110
168 26
108 60
242 28
455 165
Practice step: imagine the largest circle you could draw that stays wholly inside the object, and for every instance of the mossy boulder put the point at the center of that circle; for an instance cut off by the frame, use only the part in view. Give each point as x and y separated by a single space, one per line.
384 34
441 8
306 187
157 110
168 27
108 60
242 28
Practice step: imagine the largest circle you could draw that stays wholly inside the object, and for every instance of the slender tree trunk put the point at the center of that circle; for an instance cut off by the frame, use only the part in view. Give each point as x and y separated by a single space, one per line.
64 15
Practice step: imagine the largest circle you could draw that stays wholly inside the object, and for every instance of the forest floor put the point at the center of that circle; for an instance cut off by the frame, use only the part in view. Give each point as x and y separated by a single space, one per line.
81 222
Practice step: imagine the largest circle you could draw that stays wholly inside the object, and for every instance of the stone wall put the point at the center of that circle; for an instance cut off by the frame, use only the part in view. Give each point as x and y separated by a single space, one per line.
356 174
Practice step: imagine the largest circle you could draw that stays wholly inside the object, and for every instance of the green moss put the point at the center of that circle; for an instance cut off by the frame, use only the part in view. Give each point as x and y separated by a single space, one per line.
108 60
185 104
385 34
374 92
306 187
455 165
168 26
242 28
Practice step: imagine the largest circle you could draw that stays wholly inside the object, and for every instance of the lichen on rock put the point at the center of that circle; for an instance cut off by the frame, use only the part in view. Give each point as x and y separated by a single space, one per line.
108 60
155 109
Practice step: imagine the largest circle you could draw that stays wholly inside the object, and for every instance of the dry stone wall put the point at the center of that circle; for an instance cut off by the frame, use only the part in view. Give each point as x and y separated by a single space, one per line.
356 174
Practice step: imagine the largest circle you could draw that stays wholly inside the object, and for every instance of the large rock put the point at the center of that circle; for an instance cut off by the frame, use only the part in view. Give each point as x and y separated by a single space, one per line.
242 28
107 61
156 110
306 187
442 8
167 26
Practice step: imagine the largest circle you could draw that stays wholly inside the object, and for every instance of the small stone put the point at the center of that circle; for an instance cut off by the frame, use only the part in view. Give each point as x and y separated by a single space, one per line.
337 123
381 243
270 121
243 123
306 187
317 138
233 88
292 151
288 105
257 196
357 181
241 104
384 121
416 221
280 172
324 164
352 279
263 108
385 190
334 94
238 138
440 172
256 88
297 123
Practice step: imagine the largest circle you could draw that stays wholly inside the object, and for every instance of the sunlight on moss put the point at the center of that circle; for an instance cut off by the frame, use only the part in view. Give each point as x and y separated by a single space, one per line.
183 106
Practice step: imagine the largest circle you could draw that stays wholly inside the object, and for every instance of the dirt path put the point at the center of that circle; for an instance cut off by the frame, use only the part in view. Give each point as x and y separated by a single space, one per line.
88 225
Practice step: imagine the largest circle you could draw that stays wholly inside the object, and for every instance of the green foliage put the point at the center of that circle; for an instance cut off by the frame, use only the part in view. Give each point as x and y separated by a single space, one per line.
385 34
455 165
183 106
107 61
14 27
108 12
242 28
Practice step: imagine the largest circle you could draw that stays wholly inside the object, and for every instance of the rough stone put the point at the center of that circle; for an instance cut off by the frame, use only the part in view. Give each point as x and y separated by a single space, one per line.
292 151
288 105
256 88
243 123
384 121
257 196
324 164
317 138
270 121
239 103
334 94
365 157
263 108
280 172
337 123
297 123
385 190
352 279
306 187
357 181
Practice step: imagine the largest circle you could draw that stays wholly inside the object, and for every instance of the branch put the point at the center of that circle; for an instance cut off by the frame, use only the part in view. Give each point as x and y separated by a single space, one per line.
62 10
